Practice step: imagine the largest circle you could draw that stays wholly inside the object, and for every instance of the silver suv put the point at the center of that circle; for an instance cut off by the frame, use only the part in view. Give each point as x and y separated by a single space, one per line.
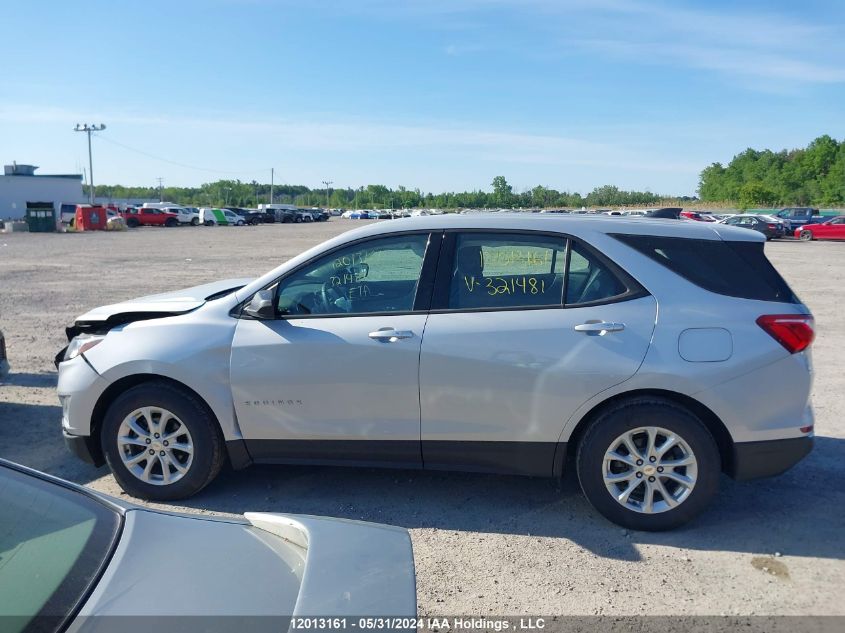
487 343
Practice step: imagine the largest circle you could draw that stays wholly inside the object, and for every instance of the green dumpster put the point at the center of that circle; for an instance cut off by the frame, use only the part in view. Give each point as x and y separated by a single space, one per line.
41 217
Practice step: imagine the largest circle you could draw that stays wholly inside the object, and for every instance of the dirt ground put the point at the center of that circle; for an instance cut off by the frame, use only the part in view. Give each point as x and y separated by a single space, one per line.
483 544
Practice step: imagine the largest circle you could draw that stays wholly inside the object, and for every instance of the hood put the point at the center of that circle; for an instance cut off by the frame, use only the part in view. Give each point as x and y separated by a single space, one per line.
161 305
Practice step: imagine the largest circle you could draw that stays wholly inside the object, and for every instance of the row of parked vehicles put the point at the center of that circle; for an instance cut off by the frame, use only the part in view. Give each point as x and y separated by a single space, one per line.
172 214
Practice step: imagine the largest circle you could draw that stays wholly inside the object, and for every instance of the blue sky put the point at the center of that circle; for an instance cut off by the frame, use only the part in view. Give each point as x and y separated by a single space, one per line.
435 94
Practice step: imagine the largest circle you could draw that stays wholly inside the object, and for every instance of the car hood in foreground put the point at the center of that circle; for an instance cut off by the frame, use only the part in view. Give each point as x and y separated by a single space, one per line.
166 303
272 565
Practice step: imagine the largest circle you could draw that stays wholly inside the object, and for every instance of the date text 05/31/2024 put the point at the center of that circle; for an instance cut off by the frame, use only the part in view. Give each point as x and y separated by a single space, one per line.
300 623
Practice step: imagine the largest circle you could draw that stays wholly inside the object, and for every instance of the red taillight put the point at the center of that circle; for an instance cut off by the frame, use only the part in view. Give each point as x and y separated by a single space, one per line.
793 331
773 226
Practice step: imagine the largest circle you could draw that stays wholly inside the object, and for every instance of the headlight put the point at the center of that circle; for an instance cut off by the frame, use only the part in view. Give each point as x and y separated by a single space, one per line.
81 344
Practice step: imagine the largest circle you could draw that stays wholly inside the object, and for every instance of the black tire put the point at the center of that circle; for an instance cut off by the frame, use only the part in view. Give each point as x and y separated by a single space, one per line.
209 223
805 236
208 456
641 412
171 222
195 222
133 223
287 220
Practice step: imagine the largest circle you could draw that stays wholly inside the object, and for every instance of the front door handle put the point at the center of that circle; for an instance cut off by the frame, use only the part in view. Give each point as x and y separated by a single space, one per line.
390 335
599 327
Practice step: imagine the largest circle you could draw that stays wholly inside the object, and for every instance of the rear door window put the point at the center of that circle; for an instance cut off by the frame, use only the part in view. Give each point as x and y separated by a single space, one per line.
731 268
492 270
523 270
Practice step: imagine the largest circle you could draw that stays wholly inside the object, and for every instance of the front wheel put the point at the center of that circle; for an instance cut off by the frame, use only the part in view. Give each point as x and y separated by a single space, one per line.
171 222
805 236
648 464
161 442
195 222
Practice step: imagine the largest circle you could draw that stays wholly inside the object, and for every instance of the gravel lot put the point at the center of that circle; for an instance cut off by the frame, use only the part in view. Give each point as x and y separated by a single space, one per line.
483 544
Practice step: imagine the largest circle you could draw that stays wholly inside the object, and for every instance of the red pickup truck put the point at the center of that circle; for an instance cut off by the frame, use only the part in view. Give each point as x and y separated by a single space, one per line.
149 217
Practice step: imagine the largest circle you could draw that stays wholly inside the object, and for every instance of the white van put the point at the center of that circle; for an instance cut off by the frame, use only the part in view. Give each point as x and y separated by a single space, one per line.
212 215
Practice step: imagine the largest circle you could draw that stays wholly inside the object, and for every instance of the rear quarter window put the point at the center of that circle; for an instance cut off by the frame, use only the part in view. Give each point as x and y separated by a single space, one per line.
734 269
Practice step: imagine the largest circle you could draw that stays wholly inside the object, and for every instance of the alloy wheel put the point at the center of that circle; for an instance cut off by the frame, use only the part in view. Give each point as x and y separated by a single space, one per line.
650 470
155 446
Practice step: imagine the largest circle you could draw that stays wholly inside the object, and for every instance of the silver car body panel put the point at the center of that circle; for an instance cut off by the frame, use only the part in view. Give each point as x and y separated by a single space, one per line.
336 383
269 565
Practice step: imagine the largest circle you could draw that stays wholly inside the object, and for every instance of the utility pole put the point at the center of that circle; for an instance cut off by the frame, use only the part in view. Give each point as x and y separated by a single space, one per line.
160 190
272 175
85 127
327 183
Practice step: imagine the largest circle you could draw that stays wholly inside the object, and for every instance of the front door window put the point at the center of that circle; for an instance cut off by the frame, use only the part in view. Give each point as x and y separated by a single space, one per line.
372 277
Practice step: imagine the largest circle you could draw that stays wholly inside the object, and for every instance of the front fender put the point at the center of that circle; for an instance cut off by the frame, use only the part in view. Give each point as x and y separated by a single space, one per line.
192 349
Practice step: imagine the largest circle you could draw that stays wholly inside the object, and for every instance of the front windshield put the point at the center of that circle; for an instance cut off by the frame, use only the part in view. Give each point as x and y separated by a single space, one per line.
53 543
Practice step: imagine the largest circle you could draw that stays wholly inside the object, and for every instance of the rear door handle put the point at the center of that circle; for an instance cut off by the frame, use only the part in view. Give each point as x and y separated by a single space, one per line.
390 335
600 327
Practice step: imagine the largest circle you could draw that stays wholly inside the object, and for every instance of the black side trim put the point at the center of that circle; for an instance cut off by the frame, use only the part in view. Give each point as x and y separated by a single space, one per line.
513 458
379 453
80 445
239 457
538 459
752 460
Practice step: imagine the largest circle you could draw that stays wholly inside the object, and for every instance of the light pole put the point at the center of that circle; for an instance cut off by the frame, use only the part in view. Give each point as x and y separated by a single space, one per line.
227 189
85 127
327 183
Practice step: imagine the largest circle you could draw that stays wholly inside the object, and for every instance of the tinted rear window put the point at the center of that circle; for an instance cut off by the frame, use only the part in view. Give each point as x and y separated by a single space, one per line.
735 269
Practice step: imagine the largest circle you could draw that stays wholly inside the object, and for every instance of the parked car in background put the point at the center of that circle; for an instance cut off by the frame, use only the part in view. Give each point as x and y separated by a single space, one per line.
696 216
627 345
718 217
282 213
212 216
74 557
249 216
793 217
768 226
833 229
4 360
671 213
149 217
68 212
184 214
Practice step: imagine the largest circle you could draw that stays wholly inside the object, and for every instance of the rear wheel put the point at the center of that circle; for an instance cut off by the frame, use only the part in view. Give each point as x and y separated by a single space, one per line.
195 222
161 442
133 223
648 464
805 236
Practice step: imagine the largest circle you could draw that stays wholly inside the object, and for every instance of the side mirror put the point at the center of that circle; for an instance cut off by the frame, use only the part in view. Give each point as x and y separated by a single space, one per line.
261 305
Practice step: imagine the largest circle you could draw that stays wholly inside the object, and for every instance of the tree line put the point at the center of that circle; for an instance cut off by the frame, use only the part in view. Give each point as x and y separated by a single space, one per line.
236 193
814 175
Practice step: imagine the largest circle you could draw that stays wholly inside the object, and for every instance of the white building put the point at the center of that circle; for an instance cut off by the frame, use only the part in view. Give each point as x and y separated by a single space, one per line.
20 185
